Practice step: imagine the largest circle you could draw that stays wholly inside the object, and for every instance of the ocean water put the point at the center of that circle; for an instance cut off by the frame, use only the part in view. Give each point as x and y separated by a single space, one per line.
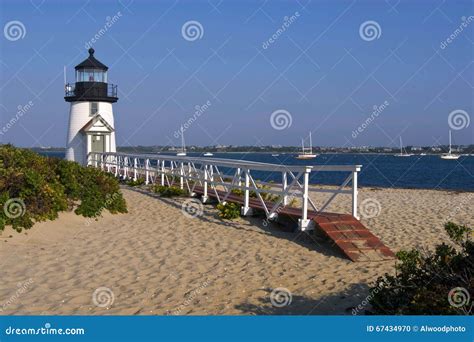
420 172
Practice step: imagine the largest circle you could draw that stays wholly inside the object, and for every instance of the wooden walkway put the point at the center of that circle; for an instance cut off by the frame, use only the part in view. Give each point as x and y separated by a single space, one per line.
348 234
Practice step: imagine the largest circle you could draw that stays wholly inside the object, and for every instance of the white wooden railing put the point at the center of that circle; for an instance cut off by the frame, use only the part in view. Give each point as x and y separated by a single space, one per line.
189 172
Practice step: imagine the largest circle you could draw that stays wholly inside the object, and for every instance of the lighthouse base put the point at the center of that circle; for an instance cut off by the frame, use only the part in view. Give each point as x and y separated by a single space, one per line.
89 133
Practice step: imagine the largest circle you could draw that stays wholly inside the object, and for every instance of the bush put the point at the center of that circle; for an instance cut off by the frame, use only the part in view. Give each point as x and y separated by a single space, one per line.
237 192
36 188
439 283
228 211
138 182
168 191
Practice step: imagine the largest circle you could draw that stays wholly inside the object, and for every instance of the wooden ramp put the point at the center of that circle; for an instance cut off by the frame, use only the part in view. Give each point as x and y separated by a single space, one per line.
349 234
352 237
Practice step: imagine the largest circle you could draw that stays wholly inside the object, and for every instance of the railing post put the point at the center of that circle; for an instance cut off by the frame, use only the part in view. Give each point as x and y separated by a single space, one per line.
125 168
181 174
117 165
162 173
303 223
284 185
107 162
238 173
354 194
147 175
204 195
135 165
246 210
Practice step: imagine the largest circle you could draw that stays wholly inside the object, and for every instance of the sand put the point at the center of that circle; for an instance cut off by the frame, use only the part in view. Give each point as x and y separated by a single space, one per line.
157 261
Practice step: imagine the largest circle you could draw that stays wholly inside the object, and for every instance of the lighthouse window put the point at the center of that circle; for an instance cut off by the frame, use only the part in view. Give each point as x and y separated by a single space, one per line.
94 108
91 75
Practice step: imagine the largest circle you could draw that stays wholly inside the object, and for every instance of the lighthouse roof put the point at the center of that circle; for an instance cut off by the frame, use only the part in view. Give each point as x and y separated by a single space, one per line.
91 62
97 124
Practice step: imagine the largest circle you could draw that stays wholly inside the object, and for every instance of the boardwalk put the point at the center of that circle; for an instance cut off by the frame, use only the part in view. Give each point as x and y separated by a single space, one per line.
205 177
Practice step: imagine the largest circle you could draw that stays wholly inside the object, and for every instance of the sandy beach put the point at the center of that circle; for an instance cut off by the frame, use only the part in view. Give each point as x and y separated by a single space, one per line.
157 261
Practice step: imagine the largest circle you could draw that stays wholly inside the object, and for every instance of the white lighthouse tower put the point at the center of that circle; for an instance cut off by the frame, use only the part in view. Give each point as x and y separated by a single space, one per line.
91 117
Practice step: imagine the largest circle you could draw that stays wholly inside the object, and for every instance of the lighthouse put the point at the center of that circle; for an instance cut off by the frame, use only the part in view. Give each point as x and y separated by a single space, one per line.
91 116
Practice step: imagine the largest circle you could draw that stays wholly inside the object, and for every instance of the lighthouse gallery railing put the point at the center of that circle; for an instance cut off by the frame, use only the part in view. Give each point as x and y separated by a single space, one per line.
208 174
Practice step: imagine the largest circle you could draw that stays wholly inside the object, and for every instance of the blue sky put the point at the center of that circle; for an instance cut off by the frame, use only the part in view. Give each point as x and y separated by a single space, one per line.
322 72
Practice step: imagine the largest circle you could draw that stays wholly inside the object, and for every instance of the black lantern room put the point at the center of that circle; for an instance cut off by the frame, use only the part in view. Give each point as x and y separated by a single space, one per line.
91 82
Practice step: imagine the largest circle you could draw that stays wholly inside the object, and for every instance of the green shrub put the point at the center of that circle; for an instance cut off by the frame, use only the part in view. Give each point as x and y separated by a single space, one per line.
40 187
237 192
168 191
228 211
430 284
138 182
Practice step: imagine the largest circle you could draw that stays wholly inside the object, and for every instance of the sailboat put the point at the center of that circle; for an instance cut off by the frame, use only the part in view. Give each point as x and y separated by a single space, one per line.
403 152
208 154
450 155
183 146
307 152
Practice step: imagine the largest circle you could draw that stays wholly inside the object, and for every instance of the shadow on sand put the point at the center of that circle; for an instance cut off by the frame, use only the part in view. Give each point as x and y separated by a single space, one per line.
285 229
277 302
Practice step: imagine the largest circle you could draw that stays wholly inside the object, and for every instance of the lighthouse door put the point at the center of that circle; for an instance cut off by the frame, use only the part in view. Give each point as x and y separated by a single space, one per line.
98 143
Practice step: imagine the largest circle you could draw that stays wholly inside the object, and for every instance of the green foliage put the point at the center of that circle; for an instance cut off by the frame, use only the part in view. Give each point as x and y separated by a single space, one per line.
228 211
168 191
423 284
38 188
138 182
265 195
456 232
237 192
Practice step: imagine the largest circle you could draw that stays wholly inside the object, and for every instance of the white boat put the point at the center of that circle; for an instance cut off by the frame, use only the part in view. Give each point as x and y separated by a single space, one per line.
403 152
183 146
450 155
275 155
422 154
208 154
307 152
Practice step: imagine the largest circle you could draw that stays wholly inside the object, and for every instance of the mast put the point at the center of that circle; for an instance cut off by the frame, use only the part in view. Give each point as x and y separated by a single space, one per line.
449 142
310 144
401 145
183 146
302 145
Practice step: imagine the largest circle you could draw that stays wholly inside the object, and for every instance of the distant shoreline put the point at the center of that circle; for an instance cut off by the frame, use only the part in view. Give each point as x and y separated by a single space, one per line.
469 153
